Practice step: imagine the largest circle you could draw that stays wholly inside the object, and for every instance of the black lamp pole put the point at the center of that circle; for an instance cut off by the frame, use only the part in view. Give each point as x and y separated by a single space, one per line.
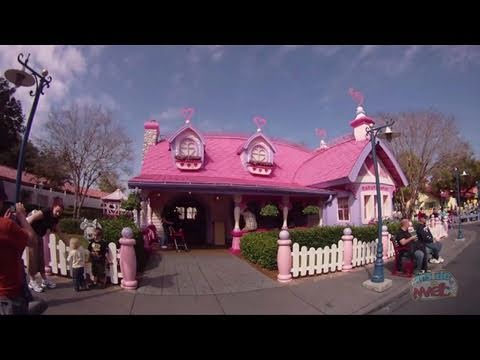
22 78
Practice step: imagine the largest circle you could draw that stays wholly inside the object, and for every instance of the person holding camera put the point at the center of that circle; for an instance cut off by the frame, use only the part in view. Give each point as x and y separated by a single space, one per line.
14 295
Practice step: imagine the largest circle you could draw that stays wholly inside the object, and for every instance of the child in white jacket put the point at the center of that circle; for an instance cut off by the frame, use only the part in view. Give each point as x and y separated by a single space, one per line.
77 256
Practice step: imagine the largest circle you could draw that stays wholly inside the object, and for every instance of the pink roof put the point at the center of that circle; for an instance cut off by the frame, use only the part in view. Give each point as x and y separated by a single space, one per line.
10 174
295 167
332 163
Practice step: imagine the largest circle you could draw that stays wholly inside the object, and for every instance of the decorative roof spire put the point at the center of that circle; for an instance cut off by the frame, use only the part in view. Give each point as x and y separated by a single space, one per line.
358 98
260 122
321 133
188 114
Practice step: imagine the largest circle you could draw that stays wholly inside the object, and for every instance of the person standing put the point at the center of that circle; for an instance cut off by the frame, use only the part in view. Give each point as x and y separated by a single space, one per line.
43 221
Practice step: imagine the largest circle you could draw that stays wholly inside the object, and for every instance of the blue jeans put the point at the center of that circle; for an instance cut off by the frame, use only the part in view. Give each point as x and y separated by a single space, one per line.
435 247
78 278
419 257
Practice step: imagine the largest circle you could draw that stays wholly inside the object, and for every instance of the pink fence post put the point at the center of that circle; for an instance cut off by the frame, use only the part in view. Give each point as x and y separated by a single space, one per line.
237 236
128 260
284 257
347 238
46 253
385 239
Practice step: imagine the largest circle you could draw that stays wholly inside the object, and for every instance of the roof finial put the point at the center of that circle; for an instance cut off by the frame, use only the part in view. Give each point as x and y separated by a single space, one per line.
260 122
321 133
358 97
188 114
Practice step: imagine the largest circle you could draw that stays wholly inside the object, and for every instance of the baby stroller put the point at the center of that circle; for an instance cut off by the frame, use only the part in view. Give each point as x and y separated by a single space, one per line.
178 238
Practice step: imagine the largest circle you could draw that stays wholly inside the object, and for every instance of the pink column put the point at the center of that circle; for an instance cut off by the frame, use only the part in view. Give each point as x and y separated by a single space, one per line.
237 236
284 257
347 238
46 253
128 260
385 239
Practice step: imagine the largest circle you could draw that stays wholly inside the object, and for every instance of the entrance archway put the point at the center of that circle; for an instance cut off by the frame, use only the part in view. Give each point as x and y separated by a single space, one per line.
191 215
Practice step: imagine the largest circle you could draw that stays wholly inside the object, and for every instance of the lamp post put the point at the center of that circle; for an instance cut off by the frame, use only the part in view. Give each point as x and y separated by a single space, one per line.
457 175
27 79
374 132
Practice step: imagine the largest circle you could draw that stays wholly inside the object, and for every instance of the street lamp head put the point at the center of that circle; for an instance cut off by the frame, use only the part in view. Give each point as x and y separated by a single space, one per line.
464 173
389 135
19 78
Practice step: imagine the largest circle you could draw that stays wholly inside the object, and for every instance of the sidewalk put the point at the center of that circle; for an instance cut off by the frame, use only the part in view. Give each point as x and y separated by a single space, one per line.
334 294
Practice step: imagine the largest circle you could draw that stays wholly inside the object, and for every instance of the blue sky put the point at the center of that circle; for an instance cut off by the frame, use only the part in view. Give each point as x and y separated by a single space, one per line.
296 88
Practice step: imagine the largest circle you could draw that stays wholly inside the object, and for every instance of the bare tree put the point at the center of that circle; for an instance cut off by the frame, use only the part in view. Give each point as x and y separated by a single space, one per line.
426 137
90 144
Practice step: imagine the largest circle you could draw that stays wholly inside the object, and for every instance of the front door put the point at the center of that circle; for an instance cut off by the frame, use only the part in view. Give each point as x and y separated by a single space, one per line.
189 215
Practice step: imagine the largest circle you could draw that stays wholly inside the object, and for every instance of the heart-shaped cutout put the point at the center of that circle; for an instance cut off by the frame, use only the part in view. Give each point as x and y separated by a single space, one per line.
259 121
188 113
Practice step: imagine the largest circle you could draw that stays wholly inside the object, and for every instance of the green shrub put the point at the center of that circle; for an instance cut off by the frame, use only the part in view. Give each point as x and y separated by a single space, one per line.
70 226
269 210
112 232
311 210
261 248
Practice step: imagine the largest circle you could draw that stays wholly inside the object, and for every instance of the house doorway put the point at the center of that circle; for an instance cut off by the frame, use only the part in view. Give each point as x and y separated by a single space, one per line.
189 214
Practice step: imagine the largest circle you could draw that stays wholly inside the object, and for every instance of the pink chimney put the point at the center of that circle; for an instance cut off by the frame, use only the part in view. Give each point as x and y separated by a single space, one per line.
150 136
360 124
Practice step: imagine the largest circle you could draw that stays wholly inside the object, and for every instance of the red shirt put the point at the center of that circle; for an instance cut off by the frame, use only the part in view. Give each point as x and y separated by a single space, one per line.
13 240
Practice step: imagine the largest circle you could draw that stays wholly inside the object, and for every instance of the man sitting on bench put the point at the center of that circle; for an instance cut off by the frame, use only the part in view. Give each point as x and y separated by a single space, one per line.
413 249
425 236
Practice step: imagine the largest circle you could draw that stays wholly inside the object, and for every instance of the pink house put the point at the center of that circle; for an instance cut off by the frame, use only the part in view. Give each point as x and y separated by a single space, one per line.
216 184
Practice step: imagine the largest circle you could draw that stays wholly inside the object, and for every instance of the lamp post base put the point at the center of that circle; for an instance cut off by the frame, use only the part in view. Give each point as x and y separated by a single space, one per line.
378 287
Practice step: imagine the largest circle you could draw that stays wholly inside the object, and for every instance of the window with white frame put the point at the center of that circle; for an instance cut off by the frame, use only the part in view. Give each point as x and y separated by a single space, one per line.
343 209
259 154
188 148
367 213
191 213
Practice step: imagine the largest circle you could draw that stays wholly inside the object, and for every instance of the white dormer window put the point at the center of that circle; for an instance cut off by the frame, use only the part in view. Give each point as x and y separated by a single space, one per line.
188 148
259 154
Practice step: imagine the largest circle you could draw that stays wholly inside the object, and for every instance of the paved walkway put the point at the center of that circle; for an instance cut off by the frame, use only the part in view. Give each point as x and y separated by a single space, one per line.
200 272
215 282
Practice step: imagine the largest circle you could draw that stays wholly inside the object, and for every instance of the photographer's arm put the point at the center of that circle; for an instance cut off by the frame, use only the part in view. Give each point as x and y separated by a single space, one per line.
20 214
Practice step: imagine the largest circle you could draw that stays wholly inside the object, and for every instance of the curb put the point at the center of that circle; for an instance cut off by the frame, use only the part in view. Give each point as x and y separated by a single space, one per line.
402 290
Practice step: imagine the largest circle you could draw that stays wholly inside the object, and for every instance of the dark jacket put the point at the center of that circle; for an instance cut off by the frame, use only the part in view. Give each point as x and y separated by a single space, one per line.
423 234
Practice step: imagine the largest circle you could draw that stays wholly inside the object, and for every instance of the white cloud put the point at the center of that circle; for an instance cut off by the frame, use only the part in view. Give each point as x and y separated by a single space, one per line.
387 62
367 50
96 50
64 63
169 119
213 53
459 56
327 50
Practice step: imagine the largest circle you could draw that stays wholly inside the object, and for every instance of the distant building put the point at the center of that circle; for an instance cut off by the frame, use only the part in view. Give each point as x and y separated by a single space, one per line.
36 191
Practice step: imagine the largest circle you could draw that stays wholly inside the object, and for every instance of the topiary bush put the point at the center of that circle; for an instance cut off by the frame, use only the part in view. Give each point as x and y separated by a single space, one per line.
269 210
311 210
112 229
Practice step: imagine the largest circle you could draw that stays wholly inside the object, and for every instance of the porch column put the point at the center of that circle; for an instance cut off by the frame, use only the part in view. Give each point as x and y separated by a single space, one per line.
320 213
143 211
285 206
149 212
236 211
236 233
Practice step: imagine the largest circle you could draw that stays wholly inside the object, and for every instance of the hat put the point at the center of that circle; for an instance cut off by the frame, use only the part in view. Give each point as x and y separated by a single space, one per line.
3 195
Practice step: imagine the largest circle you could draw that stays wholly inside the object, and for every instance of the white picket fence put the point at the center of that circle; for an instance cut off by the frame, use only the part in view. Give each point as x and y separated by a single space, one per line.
330 259
58 260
